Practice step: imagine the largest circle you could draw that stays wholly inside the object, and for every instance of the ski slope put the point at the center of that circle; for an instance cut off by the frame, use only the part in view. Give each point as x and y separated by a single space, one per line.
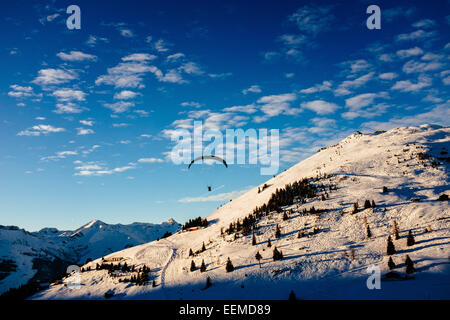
331 264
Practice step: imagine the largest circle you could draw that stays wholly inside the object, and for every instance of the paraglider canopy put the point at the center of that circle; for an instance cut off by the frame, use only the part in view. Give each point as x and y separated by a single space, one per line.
213 157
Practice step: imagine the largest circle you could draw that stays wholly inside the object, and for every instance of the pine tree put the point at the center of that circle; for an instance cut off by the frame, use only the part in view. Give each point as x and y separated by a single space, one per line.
409 265
253 240
355 208
278 232
153 283
396 231
390 246
385 189
410 240
258 257
369 233
373 204
208 283
269 244
203 247
277 255
125 267
191 254
229 266
292 296
367 204
285 216
203 266
193 267
391 264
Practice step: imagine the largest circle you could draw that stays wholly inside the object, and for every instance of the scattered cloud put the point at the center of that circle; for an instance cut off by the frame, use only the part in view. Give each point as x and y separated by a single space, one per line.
54 76
43 129
408 86
84 131
119 107
150 160
415 35
406 53
69 94
320 106
76 56
125 94
324 86
253 88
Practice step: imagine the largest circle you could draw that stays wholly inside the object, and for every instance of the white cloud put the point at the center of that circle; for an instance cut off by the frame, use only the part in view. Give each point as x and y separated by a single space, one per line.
251 108
97 169
191 68
142 113
125 94
92 40
54 76
126 75
324 86
120 125
408 86
139 57
440 114
127 33
161 46
275 105
445 75
175 57
220 75
344 87
119 107
415 66
358 65
406 53
320 106
37 130
254 88
415 35
76 56
20 91
150 160
292 40
385 57
68 107
424 23
69 94
84 131
388 76
313 19
89 123
191 104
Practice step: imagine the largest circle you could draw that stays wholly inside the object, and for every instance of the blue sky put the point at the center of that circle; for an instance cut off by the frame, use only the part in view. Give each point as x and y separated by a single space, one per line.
86 114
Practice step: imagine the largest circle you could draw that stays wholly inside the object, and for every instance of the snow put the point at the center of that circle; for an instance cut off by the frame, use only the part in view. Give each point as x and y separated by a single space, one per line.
331 264
93 240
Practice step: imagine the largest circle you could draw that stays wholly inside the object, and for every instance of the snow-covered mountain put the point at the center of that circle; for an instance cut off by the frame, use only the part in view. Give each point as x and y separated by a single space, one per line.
24 255
327 250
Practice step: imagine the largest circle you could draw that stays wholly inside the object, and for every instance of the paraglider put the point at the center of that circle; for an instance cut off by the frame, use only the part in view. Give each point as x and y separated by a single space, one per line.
212 157
208 157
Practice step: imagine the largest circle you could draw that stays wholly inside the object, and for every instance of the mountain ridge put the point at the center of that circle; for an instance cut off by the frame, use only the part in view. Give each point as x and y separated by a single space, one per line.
326 252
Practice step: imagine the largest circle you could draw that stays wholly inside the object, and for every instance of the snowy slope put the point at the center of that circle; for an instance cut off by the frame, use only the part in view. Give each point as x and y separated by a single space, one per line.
330 264
19 249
